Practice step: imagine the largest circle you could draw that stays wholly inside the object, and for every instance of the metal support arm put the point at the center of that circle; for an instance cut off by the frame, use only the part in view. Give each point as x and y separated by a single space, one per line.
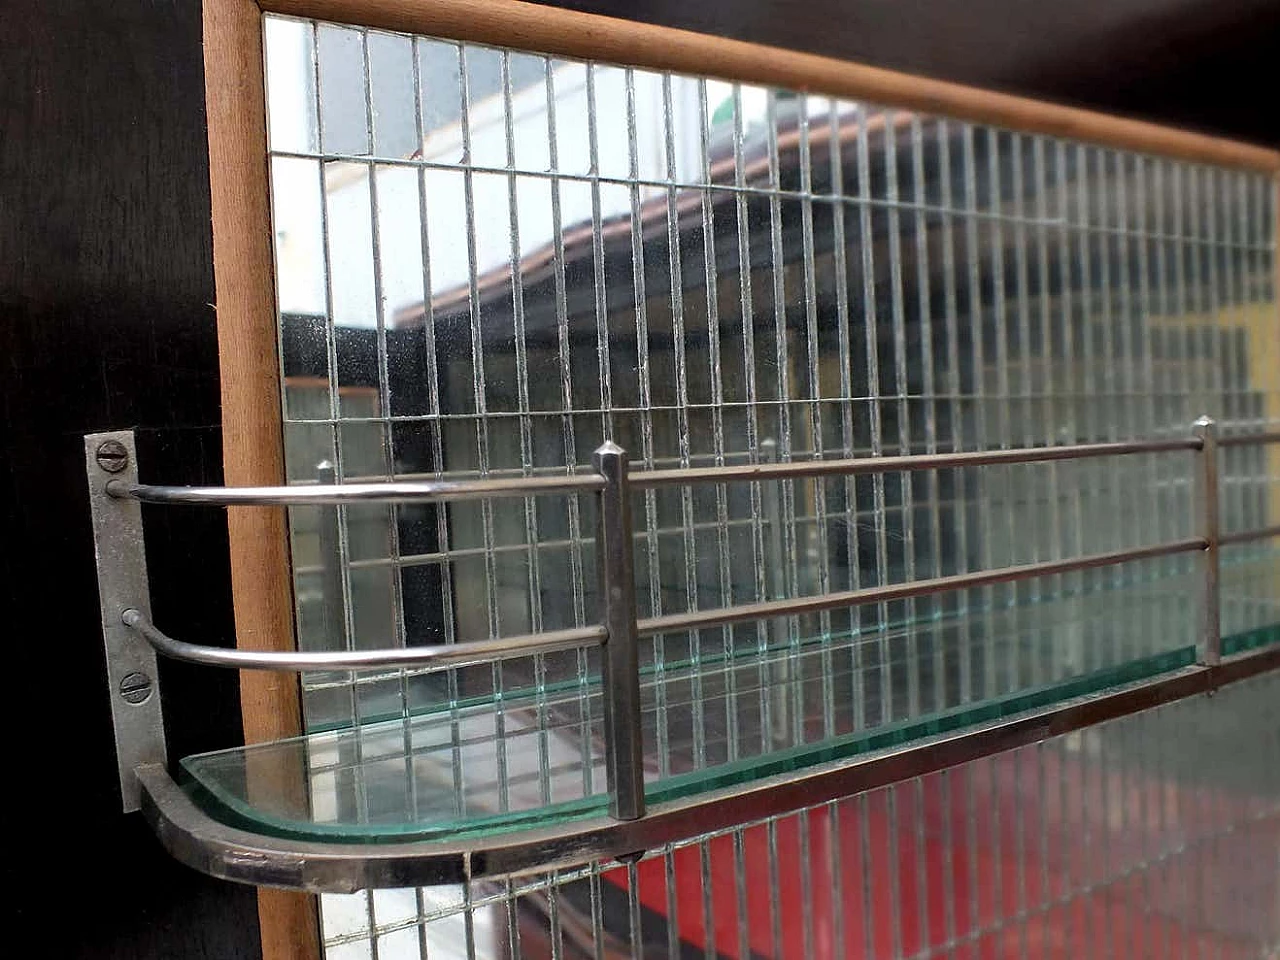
436 656
629 826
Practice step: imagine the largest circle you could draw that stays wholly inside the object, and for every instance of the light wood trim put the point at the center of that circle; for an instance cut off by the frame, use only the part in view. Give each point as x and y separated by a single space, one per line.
569 33
252 448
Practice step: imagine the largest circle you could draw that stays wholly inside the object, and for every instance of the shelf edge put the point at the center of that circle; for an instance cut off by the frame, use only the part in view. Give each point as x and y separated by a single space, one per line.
197 839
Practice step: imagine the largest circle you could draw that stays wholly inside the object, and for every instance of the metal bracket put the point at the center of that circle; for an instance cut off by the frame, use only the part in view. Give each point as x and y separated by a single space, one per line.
133 683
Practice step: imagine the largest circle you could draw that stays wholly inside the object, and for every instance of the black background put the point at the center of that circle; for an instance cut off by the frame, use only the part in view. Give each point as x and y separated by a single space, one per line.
106 322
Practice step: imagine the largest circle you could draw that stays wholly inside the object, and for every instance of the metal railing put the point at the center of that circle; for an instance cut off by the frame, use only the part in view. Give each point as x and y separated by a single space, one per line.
620 628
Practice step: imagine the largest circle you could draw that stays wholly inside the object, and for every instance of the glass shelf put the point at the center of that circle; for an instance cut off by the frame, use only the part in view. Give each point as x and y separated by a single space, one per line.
534 758
398 781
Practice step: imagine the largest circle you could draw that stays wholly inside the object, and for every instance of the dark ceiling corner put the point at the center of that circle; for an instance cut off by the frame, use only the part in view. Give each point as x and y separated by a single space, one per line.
1203 64
1209 66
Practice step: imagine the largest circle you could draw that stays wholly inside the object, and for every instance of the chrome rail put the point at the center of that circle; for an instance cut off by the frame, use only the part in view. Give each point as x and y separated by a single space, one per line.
394 491
404 491
802 469
619 629
698 619
437 655
1248 439
1249 536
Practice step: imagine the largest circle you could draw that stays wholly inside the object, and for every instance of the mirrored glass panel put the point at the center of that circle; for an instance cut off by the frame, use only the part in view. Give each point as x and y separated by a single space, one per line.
490 261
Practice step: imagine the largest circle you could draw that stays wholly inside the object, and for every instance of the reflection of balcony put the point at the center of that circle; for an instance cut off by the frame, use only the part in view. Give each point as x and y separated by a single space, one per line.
686 211
925 215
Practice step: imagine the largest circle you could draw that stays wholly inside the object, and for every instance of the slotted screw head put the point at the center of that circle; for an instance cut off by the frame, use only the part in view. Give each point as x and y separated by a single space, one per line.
112 456
135 687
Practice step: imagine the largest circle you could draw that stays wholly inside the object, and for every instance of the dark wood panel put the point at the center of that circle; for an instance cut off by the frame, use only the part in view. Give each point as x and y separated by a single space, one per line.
105 286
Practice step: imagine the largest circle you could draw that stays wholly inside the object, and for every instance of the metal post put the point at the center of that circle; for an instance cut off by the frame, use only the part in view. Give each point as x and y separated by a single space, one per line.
624 759
333 616
333 620
775 581
1208 504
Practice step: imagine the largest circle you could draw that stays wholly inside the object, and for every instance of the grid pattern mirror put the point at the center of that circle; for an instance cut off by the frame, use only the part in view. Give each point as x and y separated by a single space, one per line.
489 262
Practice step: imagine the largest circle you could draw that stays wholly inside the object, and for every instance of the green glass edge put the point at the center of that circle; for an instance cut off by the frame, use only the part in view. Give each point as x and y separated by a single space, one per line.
536 694
232 810
1251 640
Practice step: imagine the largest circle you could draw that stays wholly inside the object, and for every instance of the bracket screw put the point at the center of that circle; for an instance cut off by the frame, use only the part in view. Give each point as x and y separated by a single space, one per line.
112 456
135 688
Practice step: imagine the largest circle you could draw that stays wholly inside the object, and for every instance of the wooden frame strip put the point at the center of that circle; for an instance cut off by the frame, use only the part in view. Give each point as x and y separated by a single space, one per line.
252 447
550 30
